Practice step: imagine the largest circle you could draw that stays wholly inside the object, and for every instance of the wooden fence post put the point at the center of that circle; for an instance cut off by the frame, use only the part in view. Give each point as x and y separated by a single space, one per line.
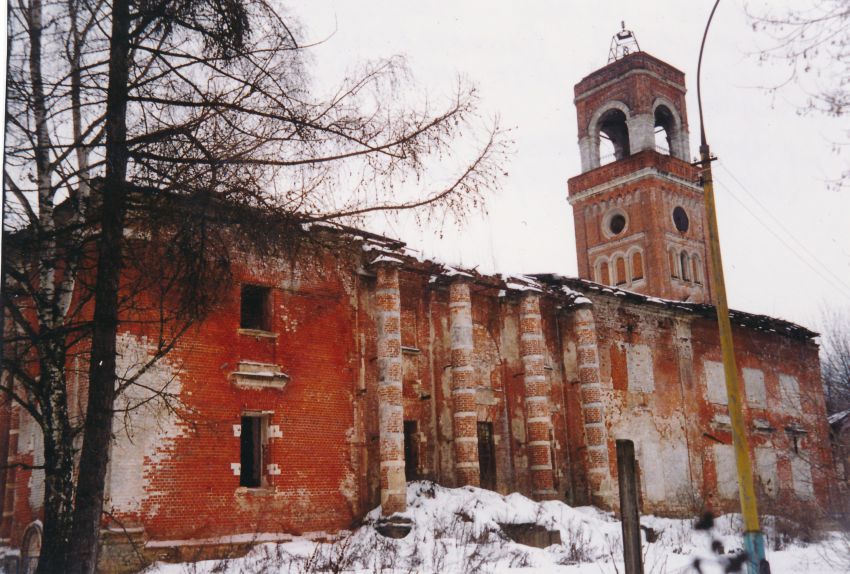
629 515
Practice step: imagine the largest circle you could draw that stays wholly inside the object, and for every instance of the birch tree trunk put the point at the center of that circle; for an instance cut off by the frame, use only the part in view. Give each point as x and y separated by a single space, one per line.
97 434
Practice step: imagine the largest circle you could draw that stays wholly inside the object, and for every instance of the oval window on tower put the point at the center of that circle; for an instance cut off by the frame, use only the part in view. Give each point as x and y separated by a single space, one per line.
680 219
614 223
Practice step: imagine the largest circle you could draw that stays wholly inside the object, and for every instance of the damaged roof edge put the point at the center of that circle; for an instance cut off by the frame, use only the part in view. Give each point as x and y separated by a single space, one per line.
763 323
570 291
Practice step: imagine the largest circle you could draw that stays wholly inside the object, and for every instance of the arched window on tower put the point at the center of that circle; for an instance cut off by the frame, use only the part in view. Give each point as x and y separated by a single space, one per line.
665 128
637 265
613 137
620 277
685 266
674 264
602 273
696 262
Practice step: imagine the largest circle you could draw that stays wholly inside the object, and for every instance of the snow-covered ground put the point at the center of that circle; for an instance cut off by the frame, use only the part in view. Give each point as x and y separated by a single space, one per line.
457 530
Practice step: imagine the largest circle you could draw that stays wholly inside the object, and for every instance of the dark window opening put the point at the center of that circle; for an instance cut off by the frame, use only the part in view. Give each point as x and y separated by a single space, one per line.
411 450
256 308
487 456
680 219
612 127
251 459
664 125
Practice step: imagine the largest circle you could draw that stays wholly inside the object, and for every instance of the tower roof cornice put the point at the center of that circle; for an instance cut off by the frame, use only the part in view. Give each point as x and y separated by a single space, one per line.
634 63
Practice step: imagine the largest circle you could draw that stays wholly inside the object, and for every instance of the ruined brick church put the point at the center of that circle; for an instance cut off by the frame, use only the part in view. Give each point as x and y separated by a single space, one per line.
321 385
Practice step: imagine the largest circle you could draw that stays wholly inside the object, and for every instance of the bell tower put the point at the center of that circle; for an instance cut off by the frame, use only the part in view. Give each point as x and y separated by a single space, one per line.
638 204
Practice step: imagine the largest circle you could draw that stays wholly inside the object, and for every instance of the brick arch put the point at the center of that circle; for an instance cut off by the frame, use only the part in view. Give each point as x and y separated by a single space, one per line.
602 270
593 124
620 270
31 547
673 258
678 136
696 269
593 130
685 266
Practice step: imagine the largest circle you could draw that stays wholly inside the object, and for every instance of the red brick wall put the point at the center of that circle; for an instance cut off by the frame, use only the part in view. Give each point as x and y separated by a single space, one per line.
328 454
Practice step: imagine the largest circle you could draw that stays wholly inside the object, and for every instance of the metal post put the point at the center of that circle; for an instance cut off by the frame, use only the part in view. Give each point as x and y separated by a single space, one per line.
753 537
629 515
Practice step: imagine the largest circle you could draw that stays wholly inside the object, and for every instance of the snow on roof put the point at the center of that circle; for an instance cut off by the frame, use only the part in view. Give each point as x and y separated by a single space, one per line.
574 289
387 259
835 418
522 283
749 320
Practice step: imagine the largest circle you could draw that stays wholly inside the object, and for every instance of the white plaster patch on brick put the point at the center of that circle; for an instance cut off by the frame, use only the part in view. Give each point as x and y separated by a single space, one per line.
801 476
789 392
722 420
662 458
653 469
639 367
755 388
715 382
273 469
237 430
31 440
724 466
236 468
275 432
766 470
676 472
348 488
144 434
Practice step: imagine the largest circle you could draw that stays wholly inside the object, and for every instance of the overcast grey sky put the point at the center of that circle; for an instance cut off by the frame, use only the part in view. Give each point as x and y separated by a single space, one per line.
525 57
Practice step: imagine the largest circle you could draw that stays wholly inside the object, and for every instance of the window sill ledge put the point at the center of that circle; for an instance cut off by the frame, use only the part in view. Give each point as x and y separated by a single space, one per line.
255 490
258 333
259 376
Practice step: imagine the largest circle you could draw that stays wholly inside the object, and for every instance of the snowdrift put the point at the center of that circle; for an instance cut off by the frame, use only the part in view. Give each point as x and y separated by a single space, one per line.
463 530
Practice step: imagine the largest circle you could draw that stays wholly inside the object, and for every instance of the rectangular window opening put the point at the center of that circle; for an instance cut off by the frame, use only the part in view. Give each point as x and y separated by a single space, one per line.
411 450
256 308
487 455
251 457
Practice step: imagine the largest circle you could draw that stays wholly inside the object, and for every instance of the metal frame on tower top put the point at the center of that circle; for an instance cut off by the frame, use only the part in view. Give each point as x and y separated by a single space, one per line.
623 43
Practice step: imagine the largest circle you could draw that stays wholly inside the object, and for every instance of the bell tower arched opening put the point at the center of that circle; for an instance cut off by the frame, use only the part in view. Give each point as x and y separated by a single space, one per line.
665 130
614 133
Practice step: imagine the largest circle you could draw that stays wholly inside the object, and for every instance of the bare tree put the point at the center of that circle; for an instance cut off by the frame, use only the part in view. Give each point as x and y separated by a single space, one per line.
812 41
835 361
176 120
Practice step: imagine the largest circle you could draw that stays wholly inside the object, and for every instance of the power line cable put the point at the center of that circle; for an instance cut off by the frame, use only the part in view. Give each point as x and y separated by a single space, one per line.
784 228
839 286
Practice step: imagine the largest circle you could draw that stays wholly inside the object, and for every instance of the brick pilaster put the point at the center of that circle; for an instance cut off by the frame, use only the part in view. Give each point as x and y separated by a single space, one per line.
465 415
390 407
538 417
592 406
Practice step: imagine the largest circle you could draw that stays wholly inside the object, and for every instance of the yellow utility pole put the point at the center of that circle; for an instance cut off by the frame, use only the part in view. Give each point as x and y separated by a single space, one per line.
753 537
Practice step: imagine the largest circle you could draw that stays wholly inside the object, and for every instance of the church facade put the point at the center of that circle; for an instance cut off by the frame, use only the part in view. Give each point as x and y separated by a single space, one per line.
321 385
